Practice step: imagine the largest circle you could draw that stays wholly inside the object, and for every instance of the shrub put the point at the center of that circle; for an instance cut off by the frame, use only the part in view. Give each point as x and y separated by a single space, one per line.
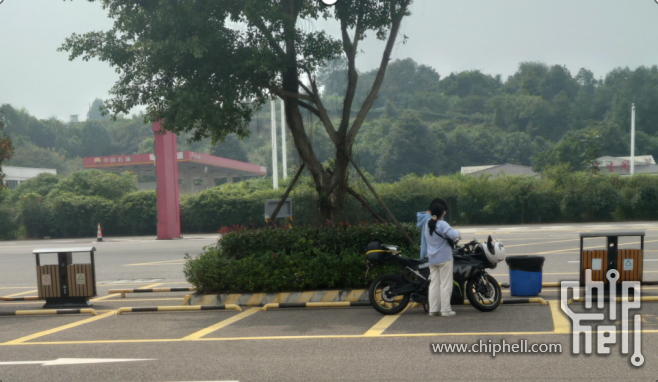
268 260
33 214
78 216
137 213
97 183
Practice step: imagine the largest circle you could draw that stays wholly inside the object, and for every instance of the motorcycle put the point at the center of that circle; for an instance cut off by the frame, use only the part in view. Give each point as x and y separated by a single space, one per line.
391 293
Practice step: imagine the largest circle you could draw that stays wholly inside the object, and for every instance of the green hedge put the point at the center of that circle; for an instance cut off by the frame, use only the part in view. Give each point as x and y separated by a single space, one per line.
305 258
72 206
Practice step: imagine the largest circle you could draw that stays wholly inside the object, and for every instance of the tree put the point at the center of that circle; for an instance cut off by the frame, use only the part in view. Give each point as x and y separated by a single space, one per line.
6 150
96 140
231 148
409 148
95 112
221 73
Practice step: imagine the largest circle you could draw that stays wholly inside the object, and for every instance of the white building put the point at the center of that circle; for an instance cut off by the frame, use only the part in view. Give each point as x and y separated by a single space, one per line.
622 165
499 170
17 175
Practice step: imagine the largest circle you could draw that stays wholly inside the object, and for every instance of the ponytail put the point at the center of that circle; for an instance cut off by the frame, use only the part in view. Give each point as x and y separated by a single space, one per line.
437 212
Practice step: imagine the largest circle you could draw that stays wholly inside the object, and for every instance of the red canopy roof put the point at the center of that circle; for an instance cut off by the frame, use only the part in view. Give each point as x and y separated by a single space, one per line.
114 162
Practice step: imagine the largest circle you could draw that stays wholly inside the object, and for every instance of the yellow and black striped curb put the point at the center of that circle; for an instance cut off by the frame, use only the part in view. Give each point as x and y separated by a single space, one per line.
618 299
177 308
153 290
49 311
262 299
315 305
31 298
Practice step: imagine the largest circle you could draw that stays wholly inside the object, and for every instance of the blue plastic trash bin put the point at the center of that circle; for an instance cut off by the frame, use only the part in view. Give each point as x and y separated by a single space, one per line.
525 274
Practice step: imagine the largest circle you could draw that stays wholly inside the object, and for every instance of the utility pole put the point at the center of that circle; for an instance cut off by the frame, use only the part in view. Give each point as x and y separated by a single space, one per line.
633 140
275 165
284 159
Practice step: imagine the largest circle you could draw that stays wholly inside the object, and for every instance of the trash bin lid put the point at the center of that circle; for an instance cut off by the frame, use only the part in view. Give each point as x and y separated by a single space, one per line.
612 233
64 250
525 263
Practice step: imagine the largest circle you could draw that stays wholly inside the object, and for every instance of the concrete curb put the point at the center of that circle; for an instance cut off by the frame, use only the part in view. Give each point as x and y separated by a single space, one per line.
31 298
49 311
177 308
153 290
343 304
262 299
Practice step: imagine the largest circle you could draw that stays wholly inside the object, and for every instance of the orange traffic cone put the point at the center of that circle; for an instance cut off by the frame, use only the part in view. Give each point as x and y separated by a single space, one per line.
99 233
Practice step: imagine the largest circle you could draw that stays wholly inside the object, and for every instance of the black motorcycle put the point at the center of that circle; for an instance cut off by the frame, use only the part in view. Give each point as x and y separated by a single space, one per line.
390 293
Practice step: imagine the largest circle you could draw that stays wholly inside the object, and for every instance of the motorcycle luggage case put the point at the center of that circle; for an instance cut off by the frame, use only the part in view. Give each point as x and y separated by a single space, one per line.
376 253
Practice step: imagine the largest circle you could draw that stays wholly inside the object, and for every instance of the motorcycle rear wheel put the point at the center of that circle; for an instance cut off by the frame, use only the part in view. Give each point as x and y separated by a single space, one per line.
384 303
480 301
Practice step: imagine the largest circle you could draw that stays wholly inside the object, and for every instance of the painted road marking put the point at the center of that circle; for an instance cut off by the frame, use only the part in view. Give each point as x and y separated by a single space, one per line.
204 332
384 324
561 323
72 361
22 293
546 242
59 329
402 335
168 262
119 294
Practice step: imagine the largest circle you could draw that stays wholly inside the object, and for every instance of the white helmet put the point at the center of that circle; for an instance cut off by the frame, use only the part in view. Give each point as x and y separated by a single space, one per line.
494 250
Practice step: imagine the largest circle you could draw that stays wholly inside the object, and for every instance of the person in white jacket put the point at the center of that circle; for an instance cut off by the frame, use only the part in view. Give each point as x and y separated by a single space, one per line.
439 253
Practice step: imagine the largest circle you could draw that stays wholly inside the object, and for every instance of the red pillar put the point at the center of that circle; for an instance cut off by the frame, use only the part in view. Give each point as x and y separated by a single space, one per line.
167 193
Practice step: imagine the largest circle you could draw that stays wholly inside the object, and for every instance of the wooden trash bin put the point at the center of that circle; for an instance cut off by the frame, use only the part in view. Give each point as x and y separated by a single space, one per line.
628 262
66 284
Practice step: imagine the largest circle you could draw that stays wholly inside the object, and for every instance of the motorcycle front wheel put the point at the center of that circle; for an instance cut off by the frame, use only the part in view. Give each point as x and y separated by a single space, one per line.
382 297
484 296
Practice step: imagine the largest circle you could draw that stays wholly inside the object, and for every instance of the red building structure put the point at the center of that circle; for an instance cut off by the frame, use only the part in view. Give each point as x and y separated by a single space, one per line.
171 168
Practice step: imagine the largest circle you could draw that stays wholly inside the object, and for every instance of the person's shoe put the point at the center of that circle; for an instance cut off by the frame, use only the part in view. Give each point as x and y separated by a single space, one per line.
448 314
435 314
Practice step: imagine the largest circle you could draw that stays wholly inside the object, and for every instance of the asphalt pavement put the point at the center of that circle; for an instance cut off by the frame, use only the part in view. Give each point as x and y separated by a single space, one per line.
339 344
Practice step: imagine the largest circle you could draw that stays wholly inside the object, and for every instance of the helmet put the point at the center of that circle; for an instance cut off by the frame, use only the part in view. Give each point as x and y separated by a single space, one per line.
494 250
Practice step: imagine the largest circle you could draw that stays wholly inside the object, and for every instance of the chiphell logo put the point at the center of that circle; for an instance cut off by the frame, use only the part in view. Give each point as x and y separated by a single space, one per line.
606 334
325 2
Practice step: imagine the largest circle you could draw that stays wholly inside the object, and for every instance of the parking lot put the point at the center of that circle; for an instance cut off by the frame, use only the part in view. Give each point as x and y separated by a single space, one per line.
302 344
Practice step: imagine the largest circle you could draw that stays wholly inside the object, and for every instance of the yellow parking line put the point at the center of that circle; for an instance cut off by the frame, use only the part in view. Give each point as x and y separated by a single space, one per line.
16 303
58 329
383 324
354 336
16 287
561 323
20 294
222 324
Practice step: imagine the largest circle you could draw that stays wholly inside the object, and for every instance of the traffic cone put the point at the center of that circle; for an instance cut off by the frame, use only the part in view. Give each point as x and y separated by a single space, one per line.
99 233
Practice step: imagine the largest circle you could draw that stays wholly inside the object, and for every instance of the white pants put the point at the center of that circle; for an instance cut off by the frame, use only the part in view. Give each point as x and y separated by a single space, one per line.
440 287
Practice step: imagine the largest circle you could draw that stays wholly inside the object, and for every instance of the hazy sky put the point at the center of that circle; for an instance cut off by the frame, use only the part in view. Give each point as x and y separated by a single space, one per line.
449 35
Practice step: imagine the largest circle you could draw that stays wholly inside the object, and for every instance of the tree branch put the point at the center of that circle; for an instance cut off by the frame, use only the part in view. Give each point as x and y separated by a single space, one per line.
270 38
396 18
283 93
350 48
381 202
309 108
323 115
